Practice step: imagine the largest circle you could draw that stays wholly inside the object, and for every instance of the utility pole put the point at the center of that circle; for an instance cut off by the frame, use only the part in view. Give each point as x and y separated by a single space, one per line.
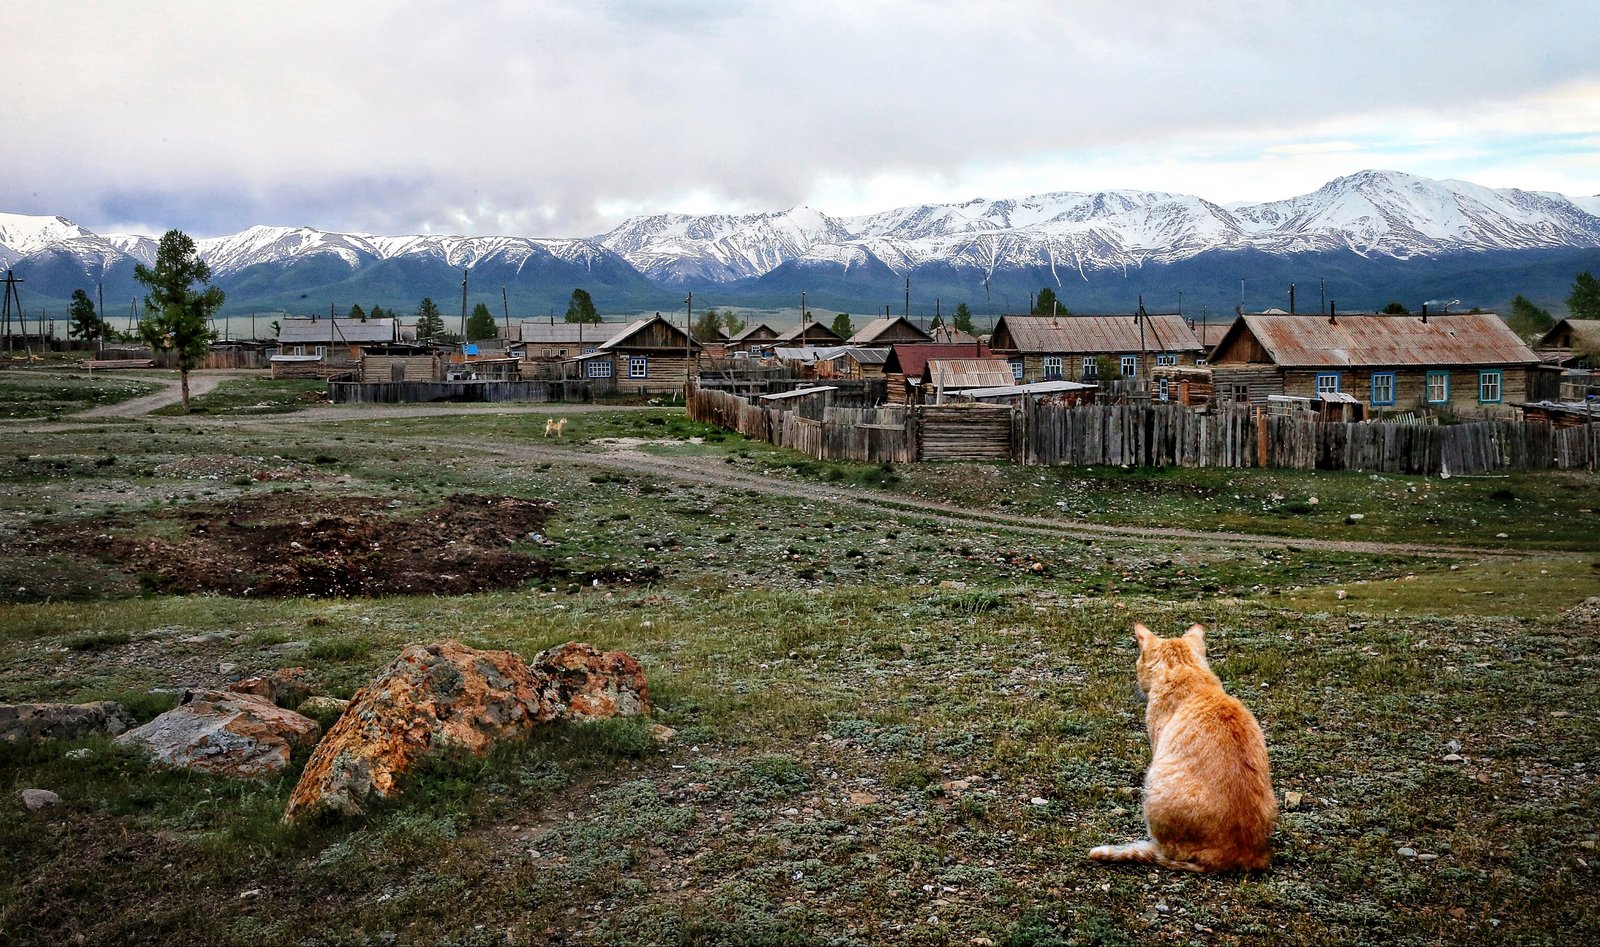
908 299
1323 308
11 294
100 313
688 335
464 313
505 307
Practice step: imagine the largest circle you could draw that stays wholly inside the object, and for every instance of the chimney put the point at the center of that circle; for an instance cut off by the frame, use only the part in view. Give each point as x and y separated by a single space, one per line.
1333 313
1424 313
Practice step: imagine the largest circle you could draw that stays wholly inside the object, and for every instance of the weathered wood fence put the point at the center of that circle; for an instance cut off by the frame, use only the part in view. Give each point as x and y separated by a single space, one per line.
413 392
1150 435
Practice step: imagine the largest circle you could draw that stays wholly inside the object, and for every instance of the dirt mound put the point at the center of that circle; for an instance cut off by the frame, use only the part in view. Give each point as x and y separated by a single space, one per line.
339 546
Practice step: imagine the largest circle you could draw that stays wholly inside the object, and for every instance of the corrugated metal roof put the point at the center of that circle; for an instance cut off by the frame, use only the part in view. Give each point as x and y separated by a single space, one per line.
749 331
908 360
563 333
864 356
797 393
1366 339
954 373
1108 334
1036 388
303 331
872 331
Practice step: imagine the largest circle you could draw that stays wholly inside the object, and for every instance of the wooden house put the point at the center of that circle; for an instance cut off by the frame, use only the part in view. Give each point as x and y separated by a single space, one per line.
950 335
857 362
889 330
1468 363
648 356
1085 348
543 347
400 362
758 336
338 341
807 335
1573 343
903 369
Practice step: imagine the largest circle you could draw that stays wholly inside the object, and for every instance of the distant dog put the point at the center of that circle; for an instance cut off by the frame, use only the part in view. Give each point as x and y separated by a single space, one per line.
554 428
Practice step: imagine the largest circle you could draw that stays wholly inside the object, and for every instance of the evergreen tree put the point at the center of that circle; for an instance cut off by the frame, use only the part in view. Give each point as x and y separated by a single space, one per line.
1046 304
842 327
177 313
86 323
430 325
377 313
1396 309
581 308
356 312
731 322
1528 320
963 319
1584 303
705 327
480 325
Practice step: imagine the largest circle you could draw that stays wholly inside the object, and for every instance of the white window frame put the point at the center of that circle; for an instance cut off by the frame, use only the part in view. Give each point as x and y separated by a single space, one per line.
1392 384
1016 371
1328 382
1053 367
1161 388
1438 391
321 351
597 368
1090 367
638 366
1166 358
1491 380
1129 364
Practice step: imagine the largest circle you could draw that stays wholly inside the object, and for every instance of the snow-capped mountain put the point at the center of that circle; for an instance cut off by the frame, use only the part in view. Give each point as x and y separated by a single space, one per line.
1383 232
1383 213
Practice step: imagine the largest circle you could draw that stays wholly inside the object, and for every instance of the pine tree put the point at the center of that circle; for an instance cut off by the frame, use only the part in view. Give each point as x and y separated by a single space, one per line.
1528 320
1046 304
581 308
731 322
357 313
480 325
430 325
842 326
86 323
377 313
177 314
1584 303
1396 309
963 319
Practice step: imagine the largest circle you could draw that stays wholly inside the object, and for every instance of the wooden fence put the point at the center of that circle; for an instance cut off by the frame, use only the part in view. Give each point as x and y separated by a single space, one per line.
1150 435
413 392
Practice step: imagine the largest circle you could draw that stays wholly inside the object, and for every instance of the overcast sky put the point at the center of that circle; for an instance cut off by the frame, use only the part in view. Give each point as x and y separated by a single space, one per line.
564 118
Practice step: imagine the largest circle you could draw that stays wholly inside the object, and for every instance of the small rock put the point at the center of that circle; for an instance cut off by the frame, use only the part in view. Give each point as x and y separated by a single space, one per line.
1354 518
1341 595
661 733
790 811
1453 758
81 753
249 894
1407 852
1427 857
226 668
1502 536
36 799
1039 801
862 798
1292 800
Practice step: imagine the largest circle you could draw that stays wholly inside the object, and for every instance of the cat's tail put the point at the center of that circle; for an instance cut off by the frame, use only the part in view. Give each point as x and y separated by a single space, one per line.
1144 852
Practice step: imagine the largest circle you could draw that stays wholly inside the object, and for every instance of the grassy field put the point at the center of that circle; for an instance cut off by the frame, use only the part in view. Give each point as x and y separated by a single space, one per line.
33 393
892 727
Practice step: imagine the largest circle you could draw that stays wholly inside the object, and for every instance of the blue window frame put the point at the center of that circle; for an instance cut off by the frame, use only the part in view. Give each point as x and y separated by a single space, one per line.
1383 387
1489 386
1327 381
1438 387
1016 371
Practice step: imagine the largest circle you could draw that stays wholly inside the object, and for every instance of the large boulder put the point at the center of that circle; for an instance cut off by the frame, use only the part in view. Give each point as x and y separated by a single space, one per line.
446 696
26 722
225 733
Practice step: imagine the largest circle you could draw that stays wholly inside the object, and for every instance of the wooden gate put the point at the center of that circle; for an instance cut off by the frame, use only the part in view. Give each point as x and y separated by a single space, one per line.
964 432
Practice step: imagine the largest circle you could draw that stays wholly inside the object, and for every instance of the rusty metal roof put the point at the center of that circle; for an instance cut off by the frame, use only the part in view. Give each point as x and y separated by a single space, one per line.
967 372
908 360
1366 339
1098 334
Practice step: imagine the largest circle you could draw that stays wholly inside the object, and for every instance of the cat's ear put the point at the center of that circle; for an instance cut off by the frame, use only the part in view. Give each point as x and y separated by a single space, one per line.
1146 637
1197 634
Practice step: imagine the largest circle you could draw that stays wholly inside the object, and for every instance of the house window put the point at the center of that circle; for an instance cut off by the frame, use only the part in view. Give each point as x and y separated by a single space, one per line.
1489 386
1130 366
322 351
562 352
589 349
299 350
1328 382
1241 393
1167 358
1161 388
547 353
1438 387
638 366
1091 367
1201 361
1052 368
598 368
1016 370
1383 387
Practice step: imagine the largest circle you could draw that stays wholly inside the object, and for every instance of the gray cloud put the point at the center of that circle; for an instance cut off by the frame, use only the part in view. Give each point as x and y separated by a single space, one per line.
541 118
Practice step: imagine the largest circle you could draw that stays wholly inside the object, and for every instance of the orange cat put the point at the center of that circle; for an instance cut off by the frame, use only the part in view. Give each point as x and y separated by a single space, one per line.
1208 801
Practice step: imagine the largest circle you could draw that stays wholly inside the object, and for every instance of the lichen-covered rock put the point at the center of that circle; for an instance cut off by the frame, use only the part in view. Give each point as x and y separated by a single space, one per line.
20 722
449 696
585 684
225 733
286 687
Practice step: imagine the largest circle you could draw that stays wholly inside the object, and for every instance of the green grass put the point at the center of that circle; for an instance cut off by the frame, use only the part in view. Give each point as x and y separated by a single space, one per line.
254 395
50 392
867 701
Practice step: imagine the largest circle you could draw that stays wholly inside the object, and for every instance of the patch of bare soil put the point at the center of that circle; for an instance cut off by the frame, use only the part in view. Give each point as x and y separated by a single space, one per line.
305 544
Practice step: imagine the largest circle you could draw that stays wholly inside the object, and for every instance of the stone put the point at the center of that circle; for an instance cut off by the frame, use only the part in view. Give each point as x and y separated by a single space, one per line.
286 687
20 722
225 733
446 696
661 733
1292 800
585 684
858 798
1354 518
1406 852
36 799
